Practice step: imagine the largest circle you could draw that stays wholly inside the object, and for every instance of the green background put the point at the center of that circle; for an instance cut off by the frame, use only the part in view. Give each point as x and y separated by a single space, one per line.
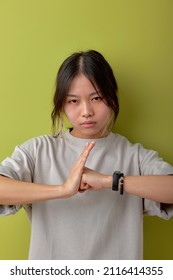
135 36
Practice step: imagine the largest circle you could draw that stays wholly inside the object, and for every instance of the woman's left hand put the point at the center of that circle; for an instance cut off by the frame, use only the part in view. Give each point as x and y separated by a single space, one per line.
94 180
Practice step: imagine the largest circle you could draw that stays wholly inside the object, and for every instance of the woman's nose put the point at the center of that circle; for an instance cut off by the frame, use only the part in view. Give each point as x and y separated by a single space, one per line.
87 110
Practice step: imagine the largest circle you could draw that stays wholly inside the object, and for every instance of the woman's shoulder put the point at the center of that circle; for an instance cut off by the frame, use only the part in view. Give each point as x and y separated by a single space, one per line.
39 142
41 139
125 142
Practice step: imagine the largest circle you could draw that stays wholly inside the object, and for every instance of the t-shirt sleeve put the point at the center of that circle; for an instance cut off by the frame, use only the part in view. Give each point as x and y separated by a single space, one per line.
151 164
20 166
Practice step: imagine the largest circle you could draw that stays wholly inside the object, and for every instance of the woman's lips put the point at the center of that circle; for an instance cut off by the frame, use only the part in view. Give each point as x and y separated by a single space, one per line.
88 124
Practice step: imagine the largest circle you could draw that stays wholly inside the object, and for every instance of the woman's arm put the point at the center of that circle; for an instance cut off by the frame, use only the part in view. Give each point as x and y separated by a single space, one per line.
154 187
17 192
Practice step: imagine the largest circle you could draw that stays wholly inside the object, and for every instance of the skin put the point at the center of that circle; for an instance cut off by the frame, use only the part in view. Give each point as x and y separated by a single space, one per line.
89 116
86 110
17 192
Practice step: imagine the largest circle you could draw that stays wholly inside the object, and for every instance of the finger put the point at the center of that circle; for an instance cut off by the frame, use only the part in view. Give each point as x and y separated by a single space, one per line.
87 149
84 187
90 145
81 191
84 155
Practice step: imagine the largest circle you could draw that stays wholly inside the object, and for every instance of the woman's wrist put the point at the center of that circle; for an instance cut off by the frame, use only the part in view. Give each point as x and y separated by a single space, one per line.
108 180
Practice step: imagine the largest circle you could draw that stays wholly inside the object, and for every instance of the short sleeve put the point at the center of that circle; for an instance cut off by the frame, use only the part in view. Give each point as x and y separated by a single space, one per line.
151 164
20 166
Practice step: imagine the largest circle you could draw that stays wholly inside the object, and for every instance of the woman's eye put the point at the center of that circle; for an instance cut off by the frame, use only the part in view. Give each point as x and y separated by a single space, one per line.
73 101
96 98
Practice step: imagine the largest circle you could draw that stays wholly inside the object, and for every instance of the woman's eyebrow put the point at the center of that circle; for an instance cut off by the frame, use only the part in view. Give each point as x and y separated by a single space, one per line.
75 95
71 95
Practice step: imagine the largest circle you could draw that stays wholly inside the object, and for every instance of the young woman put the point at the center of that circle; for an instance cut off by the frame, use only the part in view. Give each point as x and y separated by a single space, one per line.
53 176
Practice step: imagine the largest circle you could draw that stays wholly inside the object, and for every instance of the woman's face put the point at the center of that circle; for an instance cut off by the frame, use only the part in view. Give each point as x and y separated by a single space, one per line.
86 110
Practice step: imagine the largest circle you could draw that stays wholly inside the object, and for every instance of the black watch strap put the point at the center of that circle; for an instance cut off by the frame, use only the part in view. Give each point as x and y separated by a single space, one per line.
116 176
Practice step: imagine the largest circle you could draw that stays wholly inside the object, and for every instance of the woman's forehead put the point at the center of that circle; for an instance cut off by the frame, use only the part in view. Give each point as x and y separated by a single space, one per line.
82 84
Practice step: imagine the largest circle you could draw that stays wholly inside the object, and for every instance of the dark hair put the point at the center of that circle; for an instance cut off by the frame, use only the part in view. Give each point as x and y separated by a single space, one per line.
94 66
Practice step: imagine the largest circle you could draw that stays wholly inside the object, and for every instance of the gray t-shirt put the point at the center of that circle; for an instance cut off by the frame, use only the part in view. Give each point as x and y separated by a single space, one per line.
90 225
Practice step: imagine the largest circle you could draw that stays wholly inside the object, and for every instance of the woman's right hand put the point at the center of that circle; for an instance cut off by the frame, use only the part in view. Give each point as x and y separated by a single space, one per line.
73 182
13 192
